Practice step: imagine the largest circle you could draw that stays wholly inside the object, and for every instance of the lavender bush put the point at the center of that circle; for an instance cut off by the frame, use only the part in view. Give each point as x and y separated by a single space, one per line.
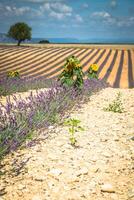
20 118
12 85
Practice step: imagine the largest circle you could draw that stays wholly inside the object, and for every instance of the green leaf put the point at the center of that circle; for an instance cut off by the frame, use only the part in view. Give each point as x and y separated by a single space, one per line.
81 128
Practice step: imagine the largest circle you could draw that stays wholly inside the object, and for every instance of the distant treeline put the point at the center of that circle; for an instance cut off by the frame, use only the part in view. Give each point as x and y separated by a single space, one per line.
44 42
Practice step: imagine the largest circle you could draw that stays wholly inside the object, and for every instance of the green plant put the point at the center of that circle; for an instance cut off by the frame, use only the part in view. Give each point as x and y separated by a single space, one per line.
116 106
92 71
13 74
72 74
73 128
1 89
54 118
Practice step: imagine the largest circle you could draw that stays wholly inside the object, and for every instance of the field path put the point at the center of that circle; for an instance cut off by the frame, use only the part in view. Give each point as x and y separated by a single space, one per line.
100 168
116 66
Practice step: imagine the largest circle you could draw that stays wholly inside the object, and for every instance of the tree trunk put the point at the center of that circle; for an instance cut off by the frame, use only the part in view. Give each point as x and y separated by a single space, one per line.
19 41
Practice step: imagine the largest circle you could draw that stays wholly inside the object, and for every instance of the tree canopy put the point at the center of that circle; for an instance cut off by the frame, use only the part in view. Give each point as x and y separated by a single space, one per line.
20 32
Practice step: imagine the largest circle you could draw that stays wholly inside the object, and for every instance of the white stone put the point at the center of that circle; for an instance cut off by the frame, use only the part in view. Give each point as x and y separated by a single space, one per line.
107 155
21 187
55 172
107 187
131 193
50 127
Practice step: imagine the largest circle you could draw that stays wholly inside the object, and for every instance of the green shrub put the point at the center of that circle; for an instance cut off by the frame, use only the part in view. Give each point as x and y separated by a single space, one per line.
116 106
44 42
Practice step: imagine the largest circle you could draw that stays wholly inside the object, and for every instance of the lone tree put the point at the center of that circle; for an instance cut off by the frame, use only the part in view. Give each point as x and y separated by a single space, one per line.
20 31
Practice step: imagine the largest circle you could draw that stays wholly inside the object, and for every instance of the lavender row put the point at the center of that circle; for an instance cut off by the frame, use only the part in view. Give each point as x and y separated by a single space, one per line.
21 117
9 86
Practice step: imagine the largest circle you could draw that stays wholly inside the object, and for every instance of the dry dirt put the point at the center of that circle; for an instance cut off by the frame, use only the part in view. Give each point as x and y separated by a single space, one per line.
100 168
113 46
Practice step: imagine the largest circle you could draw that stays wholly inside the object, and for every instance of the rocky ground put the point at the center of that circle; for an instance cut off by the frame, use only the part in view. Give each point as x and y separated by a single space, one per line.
99 168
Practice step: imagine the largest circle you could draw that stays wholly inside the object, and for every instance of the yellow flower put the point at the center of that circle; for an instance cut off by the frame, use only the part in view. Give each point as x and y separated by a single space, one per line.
78 65
10 73
94 67
13 74
66 69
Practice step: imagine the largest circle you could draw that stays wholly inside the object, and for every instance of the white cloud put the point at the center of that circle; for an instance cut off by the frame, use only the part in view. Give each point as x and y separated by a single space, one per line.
63 8
57 10
57 7
12 10
56 15
42 1
78 18
36 1
131 19
111 20
85 5
127 22
59 16
101 14
46 6
113 3
8 8
107 18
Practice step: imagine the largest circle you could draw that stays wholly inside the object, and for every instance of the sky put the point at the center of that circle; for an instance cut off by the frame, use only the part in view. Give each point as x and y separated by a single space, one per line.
81 19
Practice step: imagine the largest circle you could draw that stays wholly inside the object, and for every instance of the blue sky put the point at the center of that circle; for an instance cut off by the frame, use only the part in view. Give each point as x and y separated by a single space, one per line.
82 19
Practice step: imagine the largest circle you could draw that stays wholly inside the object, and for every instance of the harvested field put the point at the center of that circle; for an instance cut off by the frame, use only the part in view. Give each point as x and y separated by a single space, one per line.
116 65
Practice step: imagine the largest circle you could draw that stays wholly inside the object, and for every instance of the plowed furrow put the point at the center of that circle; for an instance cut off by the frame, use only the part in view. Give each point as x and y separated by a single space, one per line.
45 67
18 56
26 59
118 75
115 66
130 69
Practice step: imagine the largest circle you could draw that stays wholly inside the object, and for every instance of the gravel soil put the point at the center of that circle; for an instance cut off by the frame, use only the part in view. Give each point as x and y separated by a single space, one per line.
100 167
